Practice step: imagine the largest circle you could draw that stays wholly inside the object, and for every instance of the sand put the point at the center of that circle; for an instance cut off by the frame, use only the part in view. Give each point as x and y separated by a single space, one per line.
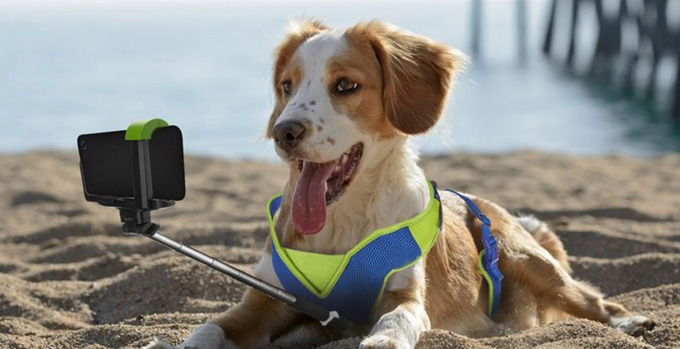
70 279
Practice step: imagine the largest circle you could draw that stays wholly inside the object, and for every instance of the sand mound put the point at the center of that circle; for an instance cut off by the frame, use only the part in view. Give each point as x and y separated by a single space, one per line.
70 279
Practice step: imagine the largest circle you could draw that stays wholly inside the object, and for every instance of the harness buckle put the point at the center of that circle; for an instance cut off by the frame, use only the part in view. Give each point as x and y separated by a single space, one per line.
484 219
490 246
494 273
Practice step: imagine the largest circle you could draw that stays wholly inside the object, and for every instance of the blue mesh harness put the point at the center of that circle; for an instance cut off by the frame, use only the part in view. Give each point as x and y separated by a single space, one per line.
360 286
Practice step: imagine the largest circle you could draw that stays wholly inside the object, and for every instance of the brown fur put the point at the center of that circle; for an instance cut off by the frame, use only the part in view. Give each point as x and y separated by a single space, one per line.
247 326
549 240
543 282
416 73
359 65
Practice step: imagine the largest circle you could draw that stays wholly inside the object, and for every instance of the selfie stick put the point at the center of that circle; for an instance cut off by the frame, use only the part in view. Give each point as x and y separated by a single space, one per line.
135 214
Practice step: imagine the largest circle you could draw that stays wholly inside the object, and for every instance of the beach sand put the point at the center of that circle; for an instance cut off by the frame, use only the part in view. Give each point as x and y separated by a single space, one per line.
70 279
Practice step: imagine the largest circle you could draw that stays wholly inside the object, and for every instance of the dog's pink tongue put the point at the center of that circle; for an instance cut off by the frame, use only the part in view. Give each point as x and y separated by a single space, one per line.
309 199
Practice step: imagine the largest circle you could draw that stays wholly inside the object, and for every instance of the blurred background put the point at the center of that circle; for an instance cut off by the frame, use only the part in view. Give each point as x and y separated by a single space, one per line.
602 81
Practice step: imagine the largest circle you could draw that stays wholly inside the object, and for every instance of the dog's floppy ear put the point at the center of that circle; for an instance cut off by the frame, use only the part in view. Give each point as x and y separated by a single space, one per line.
298 33
417 74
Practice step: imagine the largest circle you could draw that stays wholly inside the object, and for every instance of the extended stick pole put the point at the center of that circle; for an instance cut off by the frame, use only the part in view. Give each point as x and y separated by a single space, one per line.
311 309
224 268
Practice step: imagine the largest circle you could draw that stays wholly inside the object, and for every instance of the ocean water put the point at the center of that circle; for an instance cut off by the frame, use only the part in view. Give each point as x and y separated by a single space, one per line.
80 69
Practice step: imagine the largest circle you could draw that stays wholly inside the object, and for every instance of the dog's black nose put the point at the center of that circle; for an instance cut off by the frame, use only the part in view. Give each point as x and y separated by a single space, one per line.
289 134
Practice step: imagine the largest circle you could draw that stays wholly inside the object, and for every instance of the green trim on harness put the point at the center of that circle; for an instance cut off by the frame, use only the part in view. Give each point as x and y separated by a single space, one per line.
489 282
319 273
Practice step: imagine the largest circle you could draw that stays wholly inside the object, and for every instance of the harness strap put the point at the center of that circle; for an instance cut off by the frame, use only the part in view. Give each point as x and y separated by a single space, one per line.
488 257
439 200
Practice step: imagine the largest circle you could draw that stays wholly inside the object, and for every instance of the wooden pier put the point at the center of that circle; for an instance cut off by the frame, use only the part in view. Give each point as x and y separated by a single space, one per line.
635 33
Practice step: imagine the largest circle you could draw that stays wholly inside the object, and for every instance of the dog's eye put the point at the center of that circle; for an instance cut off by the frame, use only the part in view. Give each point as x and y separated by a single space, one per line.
287 87
345 86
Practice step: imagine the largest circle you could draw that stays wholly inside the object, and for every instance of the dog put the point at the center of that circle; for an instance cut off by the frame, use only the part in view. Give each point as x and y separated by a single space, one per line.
347 101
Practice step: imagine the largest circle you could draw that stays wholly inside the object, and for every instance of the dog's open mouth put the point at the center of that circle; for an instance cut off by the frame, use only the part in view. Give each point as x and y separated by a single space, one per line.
319 185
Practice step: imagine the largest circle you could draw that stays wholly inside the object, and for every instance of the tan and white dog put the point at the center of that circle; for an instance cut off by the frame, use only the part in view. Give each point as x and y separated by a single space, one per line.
347 101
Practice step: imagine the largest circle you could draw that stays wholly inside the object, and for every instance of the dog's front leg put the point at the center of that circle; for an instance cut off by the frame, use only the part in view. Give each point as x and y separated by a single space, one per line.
400 327
402 313
255 321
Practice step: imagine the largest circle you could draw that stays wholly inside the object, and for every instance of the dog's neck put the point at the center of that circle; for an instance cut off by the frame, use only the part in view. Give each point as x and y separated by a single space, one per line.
390 188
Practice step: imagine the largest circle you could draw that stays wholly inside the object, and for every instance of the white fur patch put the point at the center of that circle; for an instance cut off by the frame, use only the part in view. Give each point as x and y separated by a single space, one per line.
396 329
158 344
531 223
206 336
407 278
633 325
265 270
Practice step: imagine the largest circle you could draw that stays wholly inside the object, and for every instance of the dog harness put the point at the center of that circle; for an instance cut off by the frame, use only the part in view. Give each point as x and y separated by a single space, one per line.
352 284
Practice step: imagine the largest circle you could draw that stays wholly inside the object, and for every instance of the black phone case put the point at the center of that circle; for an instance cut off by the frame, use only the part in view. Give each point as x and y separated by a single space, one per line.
107 164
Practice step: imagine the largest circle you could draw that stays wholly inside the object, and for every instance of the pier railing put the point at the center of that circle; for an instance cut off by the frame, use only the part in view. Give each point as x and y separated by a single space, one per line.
633 36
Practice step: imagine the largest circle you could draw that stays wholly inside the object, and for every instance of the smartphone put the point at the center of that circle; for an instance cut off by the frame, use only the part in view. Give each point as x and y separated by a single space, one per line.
106 161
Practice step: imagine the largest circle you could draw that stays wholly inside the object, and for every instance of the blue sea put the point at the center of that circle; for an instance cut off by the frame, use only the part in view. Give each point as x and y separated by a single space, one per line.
205 66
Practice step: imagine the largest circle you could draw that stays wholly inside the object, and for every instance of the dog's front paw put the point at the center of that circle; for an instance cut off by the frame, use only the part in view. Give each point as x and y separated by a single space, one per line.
206 336
158 344
381 341
633 325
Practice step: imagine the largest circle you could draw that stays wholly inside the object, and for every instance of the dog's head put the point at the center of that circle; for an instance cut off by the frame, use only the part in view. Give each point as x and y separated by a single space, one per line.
339 93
